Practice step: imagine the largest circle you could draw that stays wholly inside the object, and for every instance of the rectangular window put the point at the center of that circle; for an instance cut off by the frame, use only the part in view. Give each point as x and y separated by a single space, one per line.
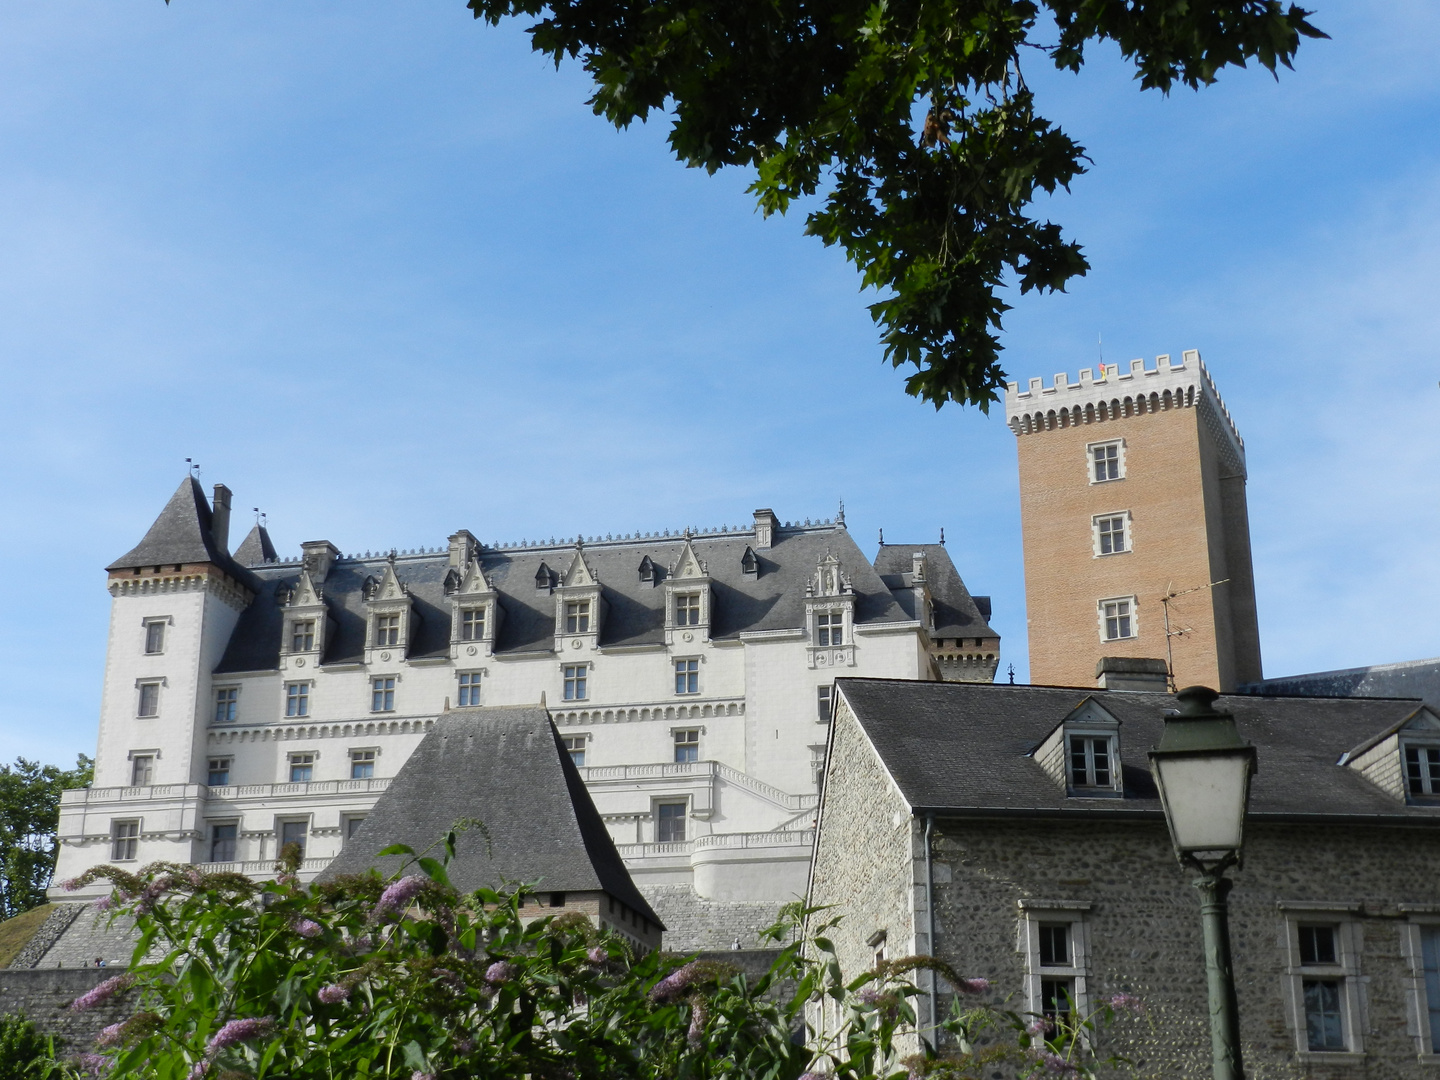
469 689
218 774
687 609
669 822
297 699
577 617
1110 535
1054 944
302 635
822 702
687 745
575 747
817 764
124 840
1422 769
142 770
1324 1023
472 624
1105 461
222 842
1322 985
1117 618
352 826
830 628
302 768
227 702
387 630
687 676
362 764
575 688
1090 761
1056 959
155 636
382 694
1430 963
293 832
1057 1000
149 699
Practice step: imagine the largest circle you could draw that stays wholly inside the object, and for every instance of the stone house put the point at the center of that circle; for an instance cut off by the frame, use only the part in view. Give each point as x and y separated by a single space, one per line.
1016 832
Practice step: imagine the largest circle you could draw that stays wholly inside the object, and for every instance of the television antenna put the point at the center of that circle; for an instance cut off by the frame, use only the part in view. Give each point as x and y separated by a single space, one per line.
1170 635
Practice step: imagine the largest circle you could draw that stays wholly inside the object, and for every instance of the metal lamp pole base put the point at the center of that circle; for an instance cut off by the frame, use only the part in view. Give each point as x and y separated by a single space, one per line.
1214 887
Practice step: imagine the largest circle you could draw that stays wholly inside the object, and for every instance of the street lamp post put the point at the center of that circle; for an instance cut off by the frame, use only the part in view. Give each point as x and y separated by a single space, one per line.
1203 768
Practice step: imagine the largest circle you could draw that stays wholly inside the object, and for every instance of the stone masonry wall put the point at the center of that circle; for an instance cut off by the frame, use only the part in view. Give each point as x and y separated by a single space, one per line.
695 924
1145 934
43 995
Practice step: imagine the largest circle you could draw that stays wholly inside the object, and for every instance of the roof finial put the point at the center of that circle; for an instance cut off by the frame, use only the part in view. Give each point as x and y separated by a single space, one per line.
840 514
1012 674
193 468
882 537
942 535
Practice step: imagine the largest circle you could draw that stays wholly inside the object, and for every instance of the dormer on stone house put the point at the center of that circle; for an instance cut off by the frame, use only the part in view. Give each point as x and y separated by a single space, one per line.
475 614
307 625
1403 761
1082 754
687 600
830 615
579 607
390 618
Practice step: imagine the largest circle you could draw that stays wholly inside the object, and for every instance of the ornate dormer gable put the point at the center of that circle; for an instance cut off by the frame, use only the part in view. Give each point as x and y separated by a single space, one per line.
306 626
1082 753
390 618
830 615
475 614
579 606
687 599
1403 761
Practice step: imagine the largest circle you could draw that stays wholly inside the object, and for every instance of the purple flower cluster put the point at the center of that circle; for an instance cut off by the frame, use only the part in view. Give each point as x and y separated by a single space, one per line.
669 988
70 884
869 995
333 994
1057 1065
238 1031
500 972
198 1070
973 986
397 896
152 893
306 928
93 1064
105 903
699 1014
111 1035
597 955
102 993
1126 1003
418 1075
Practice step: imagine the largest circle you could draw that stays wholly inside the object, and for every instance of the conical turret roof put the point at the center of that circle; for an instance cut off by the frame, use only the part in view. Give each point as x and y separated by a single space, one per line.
256 548
183 533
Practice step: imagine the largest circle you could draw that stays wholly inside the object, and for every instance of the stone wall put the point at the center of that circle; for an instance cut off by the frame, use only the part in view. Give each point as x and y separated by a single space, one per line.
695 924
1144 931
43 995
74 936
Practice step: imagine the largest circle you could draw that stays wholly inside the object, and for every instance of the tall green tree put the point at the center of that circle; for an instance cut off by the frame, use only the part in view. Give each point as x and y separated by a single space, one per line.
911 120
29 815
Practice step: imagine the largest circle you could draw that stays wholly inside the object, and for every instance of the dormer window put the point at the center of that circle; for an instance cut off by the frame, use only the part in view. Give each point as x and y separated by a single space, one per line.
647 570
1082 753
1422 770
302 635
1090 761
472 624
687 609
577 617
749 564
544 579
830 628
387 630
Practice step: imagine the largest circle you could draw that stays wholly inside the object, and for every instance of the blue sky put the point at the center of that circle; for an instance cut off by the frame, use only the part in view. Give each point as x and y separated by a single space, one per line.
376 267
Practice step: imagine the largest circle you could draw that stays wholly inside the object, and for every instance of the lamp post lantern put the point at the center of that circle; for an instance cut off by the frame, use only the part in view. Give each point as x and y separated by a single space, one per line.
1202 769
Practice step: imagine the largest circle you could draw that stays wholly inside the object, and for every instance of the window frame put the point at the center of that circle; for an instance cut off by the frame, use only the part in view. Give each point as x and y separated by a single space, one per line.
145 761
1091 473
824 702
141 686
281 824
685 741
577 616
382 693
1115 785
1345 970
126 832
387 630
297 698
582 739
300 759
830 630
156 626
686 608
682 818
215 765
472 623
1132 615
1074 916
302 635
361 757
575 681
1422 989
1432 780
1099 536
229 705
212 840
467 693
687 675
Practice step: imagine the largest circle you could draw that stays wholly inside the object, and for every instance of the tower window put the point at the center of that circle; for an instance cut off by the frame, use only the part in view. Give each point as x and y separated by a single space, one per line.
293 832
142 770
575 682
302 768
575 747
382 694
472 624
227 699
669 822
297 699
687 676
687 745
222 841
387 630
302 635
155 636
1106 462
149 699
830 628
1110 538
362 764
1117 620
469 689
218 774
687 609
124 839
577 617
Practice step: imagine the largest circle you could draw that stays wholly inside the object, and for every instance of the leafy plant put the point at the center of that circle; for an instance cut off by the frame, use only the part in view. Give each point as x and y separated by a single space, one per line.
29 815
911 119
407 978
25 1053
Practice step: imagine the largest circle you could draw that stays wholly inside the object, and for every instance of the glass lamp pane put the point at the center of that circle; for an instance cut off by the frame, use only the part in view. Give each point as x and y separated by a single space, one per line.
1205 797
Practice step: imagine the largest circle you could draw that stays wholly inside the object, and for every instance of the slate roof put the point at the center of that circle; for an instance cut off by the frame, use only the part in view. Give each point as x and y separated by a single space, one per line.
773 599
255 548
1412 678
957 613
507 768
965 748
182 534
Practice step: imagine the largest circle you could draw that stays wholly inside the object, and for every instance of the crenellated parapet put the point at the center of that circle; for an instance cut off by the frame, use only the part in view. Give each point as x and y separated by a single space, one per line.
1115 393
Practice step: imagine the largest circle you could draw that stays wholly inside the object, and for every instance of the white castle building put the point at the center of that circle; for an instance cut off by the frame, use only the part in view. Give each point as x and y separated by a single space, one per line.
250 701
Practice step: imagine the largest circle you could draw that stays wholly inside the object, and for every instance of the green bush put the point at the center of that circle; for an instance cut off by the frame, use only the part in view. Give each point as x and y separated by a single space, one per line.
25 1054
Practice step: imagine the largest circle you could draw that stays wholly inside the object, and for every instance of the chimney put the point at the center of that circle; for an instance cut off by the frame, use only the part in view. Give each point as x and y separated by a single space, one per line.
220 518
316 556
766 523
1131 673
463 548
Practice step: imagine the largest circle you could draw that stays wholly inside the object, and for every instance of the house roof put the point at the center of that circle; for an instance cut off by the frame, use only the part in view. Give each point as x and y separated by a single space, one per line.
966 748
1410 678
255 548
182 534
772 599
507 768
957 614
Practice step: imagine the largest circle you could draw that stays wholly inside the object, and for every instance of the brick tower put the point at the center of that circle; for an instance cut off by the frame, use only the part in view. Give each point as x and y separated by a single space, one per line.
1132 501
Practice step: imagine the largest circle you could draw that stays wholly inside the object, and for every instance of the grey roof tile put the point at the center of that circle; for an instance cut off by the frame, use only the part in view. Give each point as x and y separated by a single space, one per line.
256 548
507 768
966 747
957 615
182 534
